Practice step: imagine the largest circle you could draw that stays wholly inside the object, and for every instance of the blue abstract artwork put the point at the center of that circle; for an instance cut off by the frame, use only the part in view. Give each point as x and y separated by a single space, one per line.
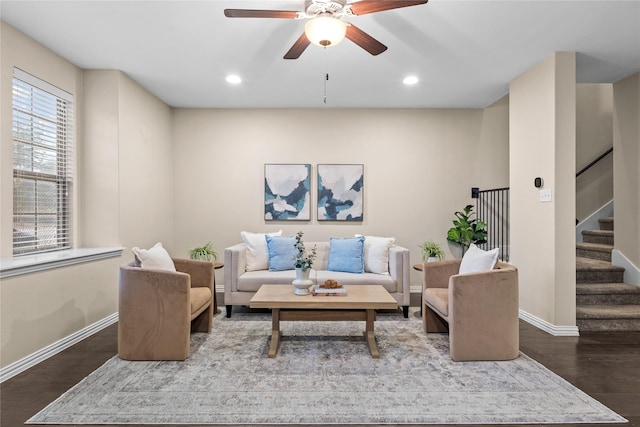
340 189
287 192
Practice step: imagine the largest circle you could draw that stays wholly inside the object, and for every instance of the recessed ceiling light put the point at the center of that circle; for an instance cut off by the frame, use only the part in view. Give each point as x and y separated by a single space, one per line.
234 79
410 80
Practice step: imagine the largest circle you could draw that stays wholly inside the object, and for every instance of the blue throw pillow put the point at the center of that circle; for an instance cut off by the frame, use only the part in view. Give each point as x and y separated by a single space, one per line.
346 254
281 249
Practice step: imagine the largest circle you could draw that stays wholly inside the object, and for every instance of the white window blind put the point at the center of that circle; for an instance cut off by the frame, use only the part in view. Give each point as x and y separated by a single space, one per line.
42 165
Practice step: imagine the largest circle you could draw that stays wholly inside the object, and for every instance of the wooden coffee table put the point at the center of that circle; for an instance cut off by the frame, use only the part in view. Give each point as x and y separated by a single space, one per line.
359 304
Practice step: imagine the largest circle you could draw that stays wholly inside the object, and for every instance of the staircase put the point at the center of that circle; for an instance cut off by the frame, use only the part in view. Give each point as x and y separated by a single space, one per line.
603 301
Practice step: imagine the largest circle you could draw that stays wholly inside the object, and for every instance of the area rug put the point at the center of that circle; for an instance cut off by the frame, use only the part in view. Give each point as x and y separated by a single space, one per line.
323 374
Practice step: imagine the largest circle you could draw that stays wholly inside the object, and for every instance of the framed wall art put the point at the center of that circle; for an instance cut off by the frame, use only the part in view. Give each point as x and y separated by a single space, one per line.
340 191
287 192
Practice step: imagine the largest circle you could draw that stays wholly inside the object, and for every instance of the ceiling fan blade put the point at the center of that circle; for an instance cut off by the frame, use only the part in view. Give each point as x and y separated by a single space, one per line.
298 47
370 6
364 40
255 13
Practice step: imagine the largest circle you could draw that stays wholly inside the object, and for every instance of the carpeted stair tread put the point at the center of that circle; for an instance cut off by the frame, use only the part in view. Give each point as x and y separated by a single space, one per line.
599 251
606 223
607 294
598 236
598 232
606 288
588 264
600 247
628 311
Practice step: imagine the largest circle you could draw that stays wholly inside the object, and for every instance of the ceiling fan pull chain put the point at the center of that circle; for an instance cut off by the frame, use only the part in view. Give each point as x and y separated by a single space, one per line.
326 79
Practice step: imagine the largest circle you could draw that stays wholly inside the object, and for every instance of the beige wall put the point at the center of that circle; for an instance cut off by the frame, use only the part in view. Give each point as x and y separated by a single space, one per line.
100 206
419 168
22 52
128 163
626 141
124 184
542 144
594 136
41 308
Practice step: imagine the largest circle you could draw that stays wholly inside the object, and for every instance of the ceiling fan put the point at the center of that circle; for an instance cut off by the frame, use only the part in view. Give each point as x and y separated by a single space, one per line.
327 26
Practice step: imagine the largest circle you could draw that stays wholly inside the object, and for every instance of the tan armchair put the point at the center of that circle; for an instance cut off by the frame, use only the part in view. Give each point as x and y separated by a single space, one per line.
159 308
479 310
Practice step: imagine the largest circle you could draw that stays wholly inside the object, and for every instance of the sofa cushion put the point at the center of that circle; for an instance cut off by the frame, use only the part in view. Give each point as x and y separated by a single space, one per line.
156 257
252 280
476 260
438 299
346 254
356 279
282 251
257 254
200 299
376 254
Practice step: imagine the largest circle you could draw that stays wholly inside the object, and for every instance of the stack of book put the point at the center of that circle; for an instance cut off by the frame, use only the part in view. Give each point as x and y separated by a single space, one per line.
318 290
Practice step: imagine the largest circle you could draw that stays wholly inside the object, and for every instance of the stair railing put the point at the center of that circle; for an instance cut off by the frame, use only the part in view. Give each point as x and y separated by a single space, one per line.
590 165
492 208
593 162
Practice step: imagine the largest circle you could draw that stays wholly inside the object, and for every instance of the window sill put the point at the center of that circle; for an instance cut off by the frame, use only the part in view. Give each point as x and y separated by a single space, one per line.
20 265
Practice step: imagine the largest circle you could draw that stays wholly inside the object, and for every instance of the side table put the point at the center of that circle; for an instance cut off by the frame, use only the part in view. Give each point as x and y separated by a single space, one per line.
216 265
418 267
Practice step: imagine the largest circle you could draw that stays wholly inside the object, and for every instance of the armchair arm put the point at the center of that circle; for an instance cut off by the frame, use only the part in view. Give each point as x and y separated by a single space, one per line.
494 290
201 272
144 290
483 315
436 274
153 314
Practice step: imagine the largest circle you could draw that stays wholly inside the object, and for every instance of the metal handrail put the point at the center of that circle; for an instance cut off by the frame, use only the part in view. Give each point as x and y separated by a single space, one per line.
600 157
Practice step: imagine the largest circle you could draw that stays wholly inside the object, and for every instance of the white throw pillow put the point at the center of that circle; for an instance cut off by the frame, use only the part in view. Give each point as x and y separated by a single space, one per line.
476 260
376 254
156 257
257 253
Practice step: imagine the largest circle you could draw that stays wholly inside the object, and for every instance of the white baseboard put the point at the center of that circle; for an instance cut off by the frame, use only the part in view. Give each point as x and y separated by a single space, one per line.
55 348
558 331
631 272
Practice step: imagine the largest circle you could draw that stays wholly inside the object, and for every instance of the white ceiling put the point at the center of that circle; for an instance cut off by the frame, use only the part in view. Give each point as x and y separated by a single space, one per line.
465 53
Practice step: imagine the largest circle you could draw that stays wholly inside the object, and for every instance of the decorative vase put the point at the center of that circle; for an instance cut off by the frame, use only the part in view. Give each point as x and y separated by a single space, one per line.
433 259
302 282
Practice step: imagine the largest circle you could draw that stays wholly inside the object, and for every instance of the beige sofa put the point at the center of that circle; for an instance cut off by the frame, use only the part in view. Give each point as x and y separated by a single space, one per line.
240 285
479 310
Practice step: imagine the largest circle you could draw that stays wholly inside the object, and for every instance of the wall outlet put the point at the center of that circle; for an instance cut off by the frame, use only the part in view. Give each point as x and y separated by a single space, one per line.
545 195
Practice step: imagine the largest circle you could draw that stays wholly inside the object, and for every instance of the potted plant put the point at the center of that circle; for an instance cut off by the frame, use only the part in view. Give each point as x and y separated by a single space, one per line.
467 229
205 252
431 251
303 260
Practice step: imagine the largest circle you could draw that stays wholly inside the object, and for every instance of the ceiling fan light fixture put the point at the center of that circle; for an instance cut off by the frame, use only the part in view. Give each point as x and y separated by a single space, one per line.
325 30
410 80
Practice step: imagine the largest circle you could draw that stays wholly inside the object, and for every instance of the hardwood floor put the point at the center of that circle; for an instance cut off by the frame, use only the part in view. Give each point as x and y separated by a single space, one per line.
604 365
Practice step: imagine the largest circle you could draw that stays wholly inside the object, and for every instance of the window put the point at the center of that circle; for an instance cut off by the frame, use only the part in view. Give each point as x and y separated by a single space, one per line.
42 165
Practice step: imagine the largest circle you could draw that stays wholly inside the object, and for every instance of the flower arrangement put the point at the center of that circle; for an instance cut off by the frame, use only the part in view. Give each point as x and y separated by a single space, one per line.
303 260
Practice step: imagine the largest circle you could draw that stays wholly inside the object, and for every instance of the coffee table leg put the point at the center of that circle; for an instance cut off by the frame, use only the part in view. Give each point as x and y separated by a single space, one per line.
369 334
275 332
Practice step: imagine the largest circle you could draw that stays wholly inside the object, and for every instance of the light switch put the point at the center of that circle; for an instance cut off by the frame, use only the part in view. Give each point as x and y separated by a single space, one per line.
545 195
